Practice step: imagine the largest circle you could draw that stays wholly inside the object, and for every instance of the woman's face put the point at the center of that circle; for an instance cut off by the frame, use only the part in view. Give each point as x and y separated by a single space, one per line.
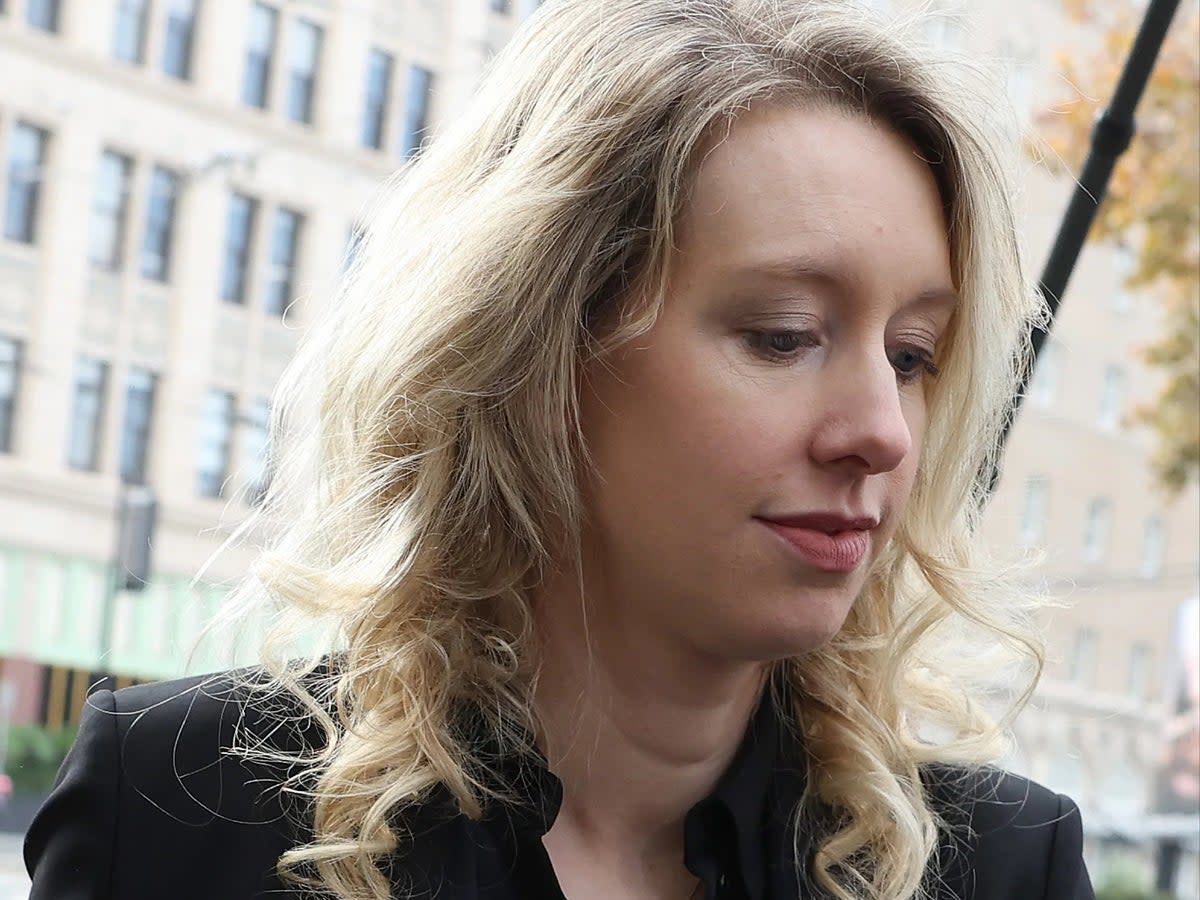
756 449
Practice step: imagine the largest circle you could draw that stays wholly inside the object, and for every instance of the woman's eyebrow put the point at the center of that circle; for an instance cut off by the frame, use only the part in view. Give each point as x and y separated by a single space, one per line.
804 269
940 296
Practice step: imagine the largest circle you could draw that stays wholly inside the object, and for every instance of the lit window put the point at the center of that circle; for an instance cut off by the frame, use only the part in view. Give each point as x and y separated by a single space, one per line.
109 210
1110 398
1033 514
129 31
304 53
26 156
135 428
416 110
87 413
1095 537
285 236
177 46
216 429
379 80
238 231
260 51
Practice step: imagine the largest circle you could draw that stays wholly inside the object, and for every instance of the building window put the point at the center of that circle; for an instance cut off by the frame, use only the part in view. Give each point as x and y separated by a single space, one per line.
304 53
1095 536
181 31
254 443
129 31
109 210
42 14
379 80
239 227
10 373
285 236
1083 657
87 413
1033 513
1154 540
135 428
216 429
1141 659
1110 398
260 52
416 110
1044 385
26 156
160 224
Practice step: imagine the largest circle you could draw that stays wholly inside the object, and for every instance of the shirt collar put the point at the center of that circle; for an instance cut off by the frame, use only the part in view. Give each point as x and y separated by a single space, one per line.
741 800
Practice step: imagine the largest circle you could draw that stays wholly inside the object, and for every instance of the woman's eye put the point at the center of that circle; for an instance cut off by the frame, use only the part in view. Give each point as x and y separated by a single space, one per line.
913 362
782 344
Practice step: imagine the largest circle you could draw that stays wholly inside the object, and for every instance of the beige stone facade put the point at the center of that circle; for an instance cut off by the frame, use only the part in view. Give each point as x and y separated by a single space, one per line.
1093 731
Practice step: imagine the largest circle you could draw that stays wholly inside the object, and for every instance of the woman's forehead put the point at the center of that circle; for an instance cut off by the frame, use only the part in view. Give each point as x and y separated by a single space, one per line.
807 193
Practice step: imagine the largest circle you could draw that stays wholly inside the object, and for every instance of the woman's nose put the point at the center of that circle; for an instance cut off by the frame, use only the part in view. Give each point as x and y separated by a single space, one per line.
863 425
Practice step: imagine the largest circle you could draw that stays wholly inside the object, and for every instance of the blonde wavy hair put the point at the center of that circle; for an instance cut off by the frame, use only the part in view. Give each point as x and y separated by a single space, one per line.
431 448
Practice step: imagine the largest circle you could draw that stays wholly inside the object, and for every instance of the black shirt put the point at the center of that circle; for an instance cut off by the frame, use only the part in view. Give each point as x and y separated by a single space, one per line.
726 835
149 804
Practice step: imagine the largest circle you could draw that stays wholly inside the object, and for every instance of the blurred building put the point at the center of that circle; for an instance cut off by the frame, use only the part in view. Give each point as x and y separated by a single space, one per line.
180 183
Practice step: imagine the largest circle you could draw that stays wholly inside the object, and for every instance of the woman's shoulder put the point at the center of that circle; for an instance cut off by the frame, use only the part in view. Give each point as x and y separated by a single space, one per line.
237 713
158 785
1010 836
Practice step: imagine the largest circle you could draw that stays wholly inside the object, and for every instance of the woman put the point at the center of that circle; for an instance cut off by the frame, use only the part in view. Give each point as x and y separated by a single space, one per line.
641 497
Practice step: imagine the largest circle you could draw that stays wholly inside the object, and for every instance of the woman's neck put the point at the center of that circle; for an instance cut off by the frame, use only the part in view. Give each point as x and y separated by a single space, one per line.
637 728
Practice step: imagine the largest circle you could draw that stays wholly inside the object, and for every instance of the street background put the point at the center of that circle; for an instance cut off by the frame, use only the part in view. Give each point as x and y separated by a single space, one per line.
183 184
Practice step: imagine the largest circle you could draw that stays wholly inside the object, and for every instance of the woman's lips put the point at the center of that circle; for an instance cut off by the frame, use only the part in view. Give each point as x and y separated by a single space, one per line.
838 552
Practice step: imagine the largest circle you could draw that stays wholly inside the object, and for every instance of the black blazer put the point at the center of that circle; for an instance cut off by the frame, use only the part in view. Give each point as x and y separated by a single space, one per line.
147 806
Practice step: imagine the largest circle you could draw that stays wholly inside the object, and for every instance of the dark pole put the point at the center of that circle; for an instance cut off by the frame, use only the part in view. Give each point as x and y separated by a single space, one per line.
1111 136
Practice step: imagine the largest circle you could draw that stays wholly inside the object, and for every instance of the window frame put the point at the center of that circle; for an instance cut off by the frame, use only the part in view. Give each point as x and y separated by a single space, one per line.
277 291
418 102
373 128
160 223
88 427
255 60
179 67
28 188
135 444
211 483
11 359
302 110
141 21
239 257
115 216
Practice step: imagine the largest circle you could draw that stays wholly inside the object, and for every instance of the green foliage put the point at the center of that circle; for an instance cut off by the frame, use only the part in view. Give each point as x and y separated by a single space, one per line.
1123 879
34 755
1105 892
